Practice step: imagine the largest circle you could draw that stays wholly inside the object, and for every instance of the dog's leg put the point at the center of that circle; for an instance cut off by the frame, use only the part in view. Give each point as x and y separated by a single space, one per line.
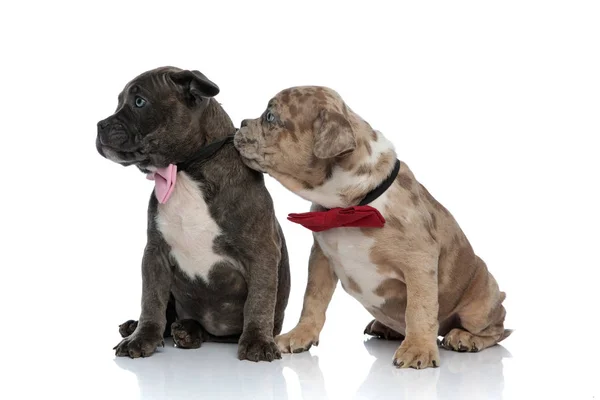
473 337
156 284
128 327
319 290
256 342
419 349
379 330
283 290
482 318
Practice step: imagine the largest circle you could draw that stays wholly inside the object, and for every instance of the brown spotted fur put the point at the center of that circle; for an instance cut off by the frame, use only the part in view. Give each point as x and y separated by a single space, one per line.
432 282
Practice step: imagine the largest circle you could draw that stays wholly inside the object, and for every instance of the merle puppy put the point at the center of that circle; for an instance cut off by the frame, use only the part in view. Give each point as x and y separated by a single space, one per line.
215 266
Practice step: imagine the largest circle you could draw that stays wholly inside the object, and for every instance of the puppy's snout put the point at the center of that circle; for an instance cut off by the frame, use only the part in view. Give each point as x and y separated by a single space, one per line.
244 123
102 125
111 134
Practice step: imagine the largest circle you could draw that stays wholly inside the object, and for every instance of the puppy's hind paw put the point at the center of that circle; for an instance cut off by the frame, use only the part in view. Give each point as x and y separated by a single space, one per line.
464 341
127 328
187 334
379 330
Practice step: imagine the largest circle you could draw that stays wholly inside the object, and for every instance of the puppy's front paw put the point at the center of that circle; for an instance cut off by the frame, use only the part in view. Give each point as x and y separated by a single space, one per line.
417 354
299 339
142 343
127 328
257 348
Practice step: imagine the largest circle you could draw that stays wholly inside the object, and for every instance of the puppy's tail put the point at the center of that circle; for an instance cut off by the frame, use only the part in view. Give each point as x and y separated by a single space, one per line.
505 334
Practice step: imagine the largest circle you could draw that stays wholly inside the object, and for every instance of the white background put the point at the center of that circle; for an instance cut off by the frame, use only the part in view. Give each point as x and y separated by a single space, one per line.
494 106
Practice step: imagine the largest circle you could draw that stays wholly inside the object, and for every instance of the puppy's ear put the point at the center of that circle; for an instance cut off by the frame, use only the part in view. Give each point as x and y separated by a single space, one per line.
334 135
195 83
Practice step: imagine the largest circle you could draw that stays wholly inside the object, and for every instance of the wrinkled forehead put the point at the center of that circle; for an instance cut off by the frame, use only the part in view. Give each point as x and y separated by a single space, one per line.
156 82
306 101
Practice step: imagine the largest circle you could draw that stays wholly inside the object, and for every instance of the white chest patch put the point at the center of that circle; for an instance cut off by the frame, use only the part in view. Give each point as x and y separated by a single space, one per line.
348 251
188 228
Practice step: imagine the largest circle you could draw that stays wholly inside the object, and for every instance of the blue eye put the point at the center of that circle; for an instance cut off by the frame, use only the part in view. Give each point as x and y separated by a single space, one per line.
270 117
139 102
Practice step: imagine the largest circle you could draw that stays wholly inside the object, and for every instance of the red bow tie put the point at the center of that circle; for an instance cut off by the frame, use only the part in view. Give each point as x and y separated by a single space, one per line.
358 216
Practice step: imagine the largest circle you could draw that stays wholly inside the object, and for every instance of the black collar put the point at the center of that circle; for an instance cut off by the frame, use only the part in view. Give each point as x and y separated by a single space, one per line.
383 186
205 152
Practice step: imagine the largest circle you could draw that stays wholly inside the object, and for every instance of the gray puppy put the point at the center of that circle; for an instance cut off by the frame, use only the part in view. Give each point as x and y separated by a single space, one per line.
215 266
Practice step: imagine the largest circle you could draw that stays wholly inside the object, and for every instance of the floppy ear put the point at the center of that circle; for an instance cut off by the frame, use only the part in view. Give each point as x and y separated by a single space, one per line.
195 83
333 135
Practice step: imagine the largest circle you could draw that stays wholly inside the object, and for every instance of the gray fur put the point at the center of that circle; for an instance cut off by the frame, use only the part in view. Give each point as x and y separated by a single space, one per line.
244 298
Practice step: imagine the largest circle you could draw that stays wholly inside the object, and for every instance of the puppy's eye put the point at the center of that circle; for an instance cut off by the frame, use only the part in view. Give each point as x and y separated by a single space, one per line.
139 102
270 117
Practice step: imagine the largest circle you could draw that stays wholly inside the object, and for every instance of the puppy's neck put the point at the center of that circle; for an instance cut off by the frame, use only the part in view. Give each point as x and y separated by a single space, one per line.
356 174
215 124
207 141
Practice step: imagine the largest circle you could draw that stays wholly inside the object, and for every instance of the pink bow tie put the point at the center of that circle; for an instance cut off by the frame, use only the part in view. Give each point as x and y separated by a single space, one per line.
164 182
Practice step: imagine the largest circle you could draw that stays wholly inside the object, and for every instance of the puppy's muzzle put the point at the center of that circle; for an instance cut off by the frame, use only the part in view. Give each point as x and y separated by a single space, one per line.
248 147
241 140
112 135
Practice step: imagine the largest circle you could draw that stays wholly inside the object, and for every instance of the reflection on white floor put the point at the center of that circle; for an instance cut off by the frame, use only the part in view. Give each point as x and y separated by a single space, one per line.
461 375
213 372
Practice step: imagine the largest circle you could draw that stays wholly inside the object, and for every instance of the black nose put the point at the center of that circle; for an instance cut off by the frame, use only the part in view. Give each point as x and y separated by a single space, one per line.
244 123
102 125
